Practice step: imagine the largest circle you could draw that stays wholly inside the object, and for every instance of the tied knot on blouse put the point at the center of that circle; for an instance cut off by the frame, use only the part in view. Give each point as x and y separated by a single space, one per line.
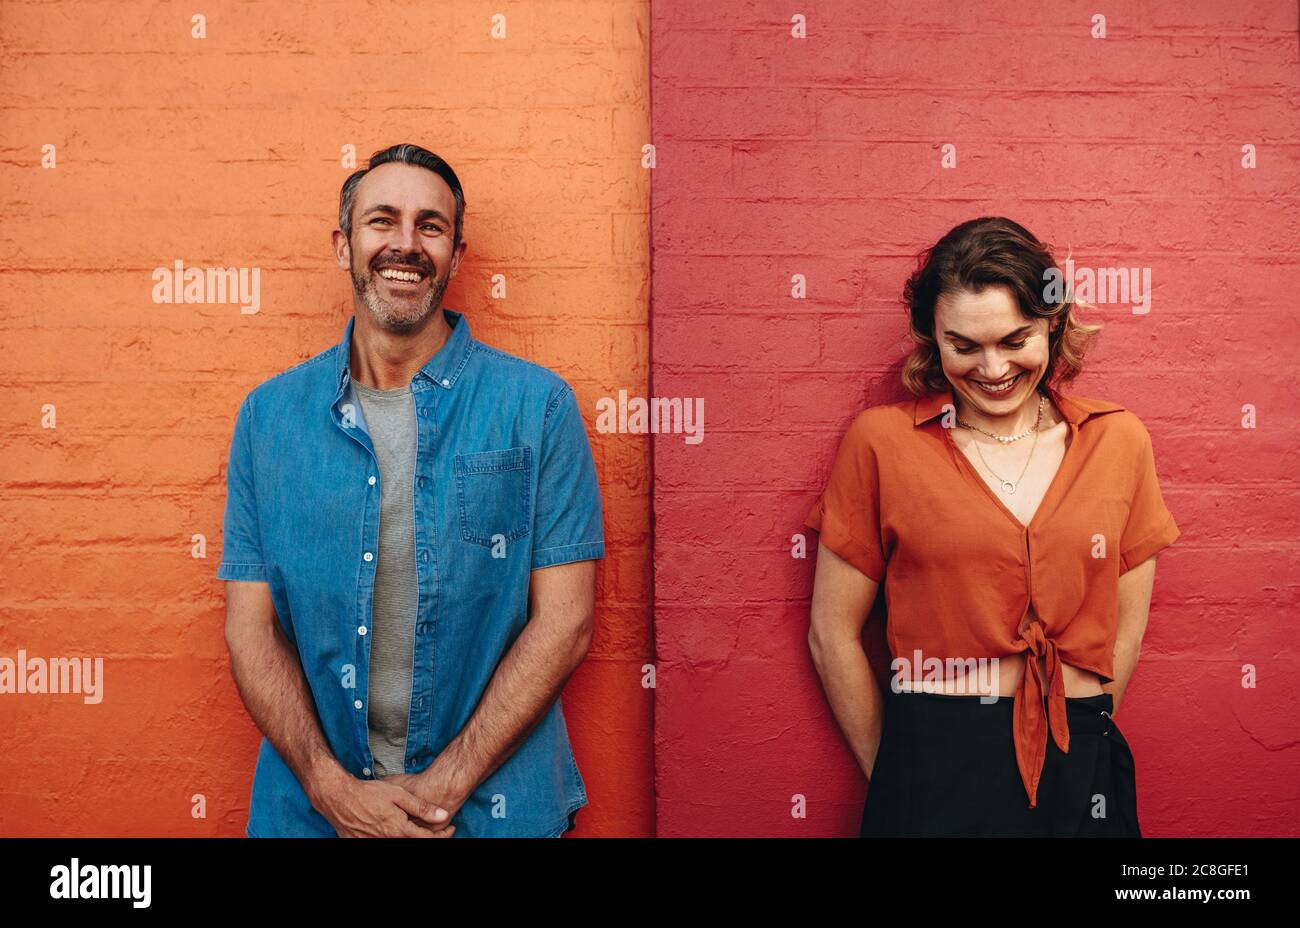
1029 717
961 573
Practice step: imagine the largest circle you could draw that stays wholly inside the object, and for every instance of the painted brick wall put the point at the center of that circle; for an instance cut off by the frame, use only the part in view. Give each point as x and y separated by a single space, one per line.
821 156
225 151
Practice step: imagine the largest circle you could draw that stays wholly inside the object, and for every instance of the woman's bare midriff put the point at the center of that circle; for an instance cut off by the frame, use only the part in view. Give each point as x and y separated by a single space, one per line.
1078 682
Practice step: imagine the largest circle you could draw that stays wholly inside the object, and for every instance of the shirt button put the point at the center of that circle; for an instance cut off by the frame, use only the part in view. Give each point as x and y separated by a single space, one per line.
372 481
422 412
361 630
446 382
419 482
367 556
366 771
424 555
357 704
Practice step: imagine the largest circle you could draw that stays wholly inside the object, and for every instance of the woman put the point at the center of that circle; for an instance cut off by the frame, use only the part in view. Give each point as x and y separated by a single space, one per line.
1014 529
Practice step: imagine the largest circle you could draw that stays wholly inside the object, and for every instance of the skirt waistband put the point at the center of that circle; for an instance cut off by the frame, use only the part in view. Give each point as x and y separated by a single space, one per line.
1090 713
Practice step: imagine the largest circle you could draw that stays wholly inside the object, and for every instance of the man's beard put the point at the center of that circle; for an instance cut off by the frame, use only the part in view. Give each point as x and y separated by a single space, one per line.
397 316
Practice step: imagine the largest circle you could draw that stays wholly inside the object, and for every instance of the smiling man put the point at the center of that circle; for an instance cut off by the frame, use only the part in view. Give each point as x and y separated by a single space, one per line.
411 530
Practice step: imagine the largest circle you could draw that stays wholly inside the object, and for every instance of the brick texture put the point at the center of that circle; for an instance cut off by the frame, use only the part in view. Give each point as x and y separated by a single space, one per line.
779 156
225 151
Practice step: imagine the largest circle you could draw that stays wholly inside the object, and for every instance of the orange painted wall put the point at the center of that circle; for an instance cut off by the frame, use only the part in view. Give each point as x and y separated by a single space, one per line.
224 151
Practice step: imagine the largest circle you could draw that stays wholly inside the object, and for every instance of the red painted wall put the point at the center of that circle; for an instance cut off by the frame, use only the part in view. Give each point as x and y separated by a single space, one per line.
821 156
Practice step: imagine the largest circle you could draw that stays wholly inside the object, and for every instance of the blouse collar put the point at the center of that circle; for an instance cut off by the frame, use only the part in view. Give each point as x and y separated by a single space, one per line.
1075 409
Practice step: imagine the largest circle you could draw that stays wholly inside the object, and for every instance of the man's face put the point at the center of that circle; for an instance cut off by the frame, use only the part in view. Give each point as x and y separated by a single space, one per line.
400 254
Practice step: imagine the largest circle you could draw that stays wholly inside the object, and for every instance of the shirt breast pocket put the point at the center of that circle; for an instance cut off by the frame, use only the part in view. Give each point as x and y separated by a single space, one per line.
494 494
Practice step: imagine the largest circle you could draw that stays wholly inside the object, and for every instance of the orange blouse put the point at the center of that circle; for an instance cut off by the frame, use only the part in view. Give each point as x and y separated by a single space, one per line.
905 506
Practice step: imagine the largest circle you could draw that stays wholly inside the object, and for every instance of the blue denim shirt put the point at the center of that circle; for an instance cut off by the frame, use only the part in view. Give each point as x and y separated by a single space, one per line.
505 484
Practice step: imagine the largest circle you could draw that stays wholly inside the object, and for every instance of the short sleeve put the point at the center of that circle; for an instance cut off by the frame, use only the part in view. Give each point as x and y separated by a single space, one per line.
567 520
241 547
1150 527
847 515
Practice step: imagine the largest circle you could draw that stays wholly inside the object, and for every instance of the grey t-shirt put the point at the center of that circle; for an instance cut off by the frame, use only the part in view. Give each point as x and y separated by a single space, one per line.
390 420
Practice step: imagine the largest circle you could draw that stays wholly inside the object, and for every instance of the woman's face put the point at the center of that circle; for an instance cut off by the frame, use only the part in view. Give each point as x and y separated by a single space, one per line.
985 342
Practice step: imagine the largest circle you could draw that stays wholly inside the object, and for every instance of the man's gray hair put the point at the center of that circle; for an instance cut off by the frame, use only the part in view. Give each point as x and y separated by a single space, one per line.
402 154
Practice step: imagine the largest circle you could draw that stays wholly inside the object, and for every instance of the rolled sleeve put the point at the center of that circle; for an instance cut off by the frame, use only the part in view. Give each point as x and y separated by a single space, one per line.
847 515
1150 527
241 548
567 525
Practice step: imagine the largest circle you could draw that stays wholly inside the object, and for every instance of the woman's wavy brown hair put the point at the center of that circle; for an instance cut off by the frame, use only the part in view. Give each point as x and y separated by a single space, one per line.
972 256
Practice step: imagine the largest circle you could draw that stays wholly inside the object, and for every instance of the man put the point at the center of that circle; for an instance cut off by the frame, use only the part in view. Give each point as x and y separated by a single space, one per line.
410 541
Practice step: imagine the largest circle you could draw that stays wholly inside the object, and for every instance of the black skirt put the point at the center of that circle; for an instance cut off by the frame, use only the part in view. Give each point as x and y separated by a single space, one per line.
947 768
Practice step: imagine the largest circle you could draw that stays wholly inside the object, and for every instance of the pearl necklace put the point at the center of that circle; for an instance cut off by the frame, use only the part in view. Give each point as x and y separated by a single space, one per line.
1009 486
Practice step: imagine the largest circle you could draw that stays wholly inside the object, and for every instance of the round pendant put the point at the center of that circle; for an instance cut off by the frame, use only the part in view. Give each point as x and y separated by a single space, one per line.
1008 486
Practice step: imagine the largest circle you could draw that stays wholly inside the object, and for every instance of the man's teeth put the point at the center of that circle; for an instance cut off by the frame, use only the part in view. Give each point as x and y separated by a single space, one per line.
1002 386
391 274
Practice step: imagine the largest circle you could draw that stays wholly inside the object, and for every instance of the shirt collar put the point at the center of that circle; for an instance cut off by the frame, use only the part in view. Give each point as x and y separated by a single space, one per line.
1075 409
444 368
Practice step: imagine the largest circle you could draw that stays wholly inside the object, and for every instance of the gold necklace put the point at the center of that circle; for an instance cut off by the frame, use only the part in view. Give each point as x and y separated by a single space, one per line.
1007 485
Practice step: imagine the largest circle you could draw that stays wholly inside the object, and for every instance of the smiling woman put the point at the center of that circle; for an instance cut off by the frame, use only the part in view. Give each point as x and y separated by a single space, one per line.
999 513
